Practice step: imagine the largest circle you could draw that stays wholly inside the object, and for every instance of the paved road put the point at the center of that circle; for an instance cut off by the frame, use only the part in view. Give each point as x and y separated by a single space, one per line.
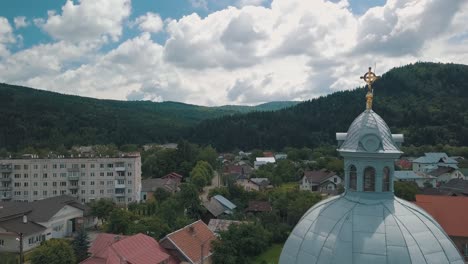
206 189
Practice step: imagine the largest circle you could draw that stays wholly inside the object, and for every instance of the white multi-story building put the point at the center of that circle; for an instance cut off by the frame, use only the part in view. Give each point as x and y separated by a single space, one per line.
87 179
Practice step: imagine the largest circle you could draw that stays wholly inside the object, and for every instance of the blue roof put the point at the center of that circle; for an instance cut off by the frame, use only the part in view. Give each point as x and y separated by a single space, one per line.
435 157
368 228
407 175
366 124
225 202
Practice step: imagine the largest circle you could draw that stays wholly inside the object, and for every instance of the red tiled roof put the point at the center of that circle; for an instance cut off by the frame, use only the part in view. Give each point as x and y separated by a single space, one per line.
450 211
268 154
189 240
136 249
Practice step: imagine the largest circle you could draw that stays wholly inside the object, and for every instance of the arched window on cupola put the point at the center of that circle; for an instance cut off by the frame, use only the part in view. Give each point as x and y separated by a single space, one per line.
369 179
386 180
352 177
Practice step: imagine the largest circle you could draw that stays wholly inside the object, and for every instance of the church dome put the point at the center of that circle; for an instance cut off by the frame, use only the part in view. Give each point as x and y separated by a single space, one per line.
369 133
368 228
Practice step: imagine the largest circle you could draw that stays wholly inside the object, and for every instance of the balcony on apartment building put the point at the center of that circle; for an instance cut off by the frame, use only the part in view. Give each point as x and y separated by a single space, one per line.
118 185
5 179
119 167
6 168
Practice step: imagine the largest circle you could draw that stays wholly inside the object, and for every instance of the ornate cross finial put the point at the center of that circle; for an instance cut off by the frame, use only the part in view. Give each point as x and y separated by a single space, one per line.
369 78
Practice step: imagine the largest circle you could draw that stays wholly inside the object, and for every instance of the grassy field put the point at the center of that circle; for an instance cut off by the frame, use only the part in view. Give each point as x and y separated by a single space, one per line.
271 256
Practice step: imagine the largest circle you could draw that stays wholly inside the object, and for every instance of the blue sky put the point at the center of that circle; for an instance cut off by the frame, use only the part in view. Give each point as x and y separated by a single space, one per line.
215 52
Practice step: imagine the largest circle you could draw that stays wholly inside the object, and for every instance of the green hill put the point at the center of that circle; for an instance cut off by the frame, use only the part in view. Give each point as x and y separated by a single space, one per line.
31 117
428 102
270 106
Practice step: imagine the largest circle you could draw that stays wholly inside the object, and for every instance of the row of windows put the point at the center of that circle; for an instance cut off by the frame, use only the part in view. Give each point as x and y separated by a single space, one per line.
55 192
64 183
64 174
369 179
74 166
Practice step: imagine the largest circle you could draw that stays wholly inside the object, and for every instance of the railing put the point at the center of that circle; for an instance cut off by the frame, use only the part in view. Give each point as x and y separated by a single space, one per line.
120 168
5 188
73 177
119 194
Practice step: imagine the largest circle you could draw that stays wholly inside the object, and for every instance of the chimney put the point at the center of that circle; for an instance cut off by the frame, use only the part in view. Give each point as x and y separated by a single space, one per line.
25 219
116 238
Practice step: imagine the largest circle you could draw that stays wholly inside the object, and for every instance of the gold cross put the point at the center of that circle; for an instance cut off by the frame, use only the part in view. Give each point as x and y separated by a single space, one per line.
369 78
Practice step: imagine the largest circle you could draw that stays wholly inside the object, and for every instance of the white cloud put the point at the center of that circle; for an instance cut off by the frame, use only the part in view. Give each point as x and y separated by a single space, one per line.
20 22
6 36
88 20
293 50
150 22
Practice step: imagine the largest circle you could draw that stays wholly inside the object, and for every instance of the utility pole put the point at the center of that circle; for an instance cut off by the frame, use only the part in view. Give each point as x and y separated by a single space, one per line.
21 248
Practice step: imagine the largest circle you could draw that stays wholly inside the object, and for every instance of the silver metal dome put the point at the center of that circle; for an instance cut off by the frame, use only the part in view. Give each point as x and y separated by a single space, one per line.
369 133
368 228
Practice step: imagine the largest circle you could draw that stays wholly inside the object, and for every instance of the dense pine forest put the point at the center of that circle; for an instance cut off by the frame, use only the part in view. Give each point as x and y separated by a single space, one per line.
427 102
43 119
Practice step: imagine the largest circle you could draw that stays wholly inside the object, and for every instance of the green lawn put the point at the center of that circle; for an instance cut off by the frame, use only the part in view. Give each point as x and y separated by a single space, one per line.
289 186
271 256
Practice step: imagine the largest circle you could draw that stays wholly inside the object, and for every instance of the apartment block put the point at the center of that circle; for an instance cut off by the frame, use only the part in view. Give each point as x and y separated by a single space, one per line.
88 179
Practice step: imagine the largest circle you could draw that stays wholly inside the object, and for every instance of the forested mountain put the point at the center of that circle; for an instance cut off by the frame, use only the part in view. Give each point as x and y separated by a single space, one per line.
30 117
270 106
427 102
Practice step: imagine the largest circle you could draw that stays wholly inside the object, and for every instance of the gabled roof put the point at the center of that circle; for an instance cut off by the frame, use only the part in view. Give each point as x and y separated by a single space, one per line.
17 225
169 184
44 209
225 202
435 157
136 249
451 212
41 210
214 207
456 186
190 239
260 181
441 170
318 176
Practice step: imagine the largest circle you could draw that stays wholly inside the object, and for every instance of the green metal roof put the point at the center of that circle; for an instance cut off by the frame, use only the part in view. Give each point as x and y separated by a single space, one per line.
359 227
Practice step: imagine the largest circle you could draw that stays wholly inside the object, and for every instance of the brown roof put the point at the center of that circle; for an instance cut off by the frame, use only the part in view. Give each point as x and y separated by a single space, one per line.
318 176
451 212
168 184
259 206
190 239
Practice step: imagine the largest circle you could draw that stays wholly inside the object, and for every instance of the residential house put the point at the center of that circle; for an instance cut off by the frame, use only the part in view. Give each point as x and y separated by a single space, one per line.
235 171
170 183
190 244
456 187
136 249
433 160
218 205
55 217
254 184
444 174
421 179
320 181
452 214
259 207
219 225
259 161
